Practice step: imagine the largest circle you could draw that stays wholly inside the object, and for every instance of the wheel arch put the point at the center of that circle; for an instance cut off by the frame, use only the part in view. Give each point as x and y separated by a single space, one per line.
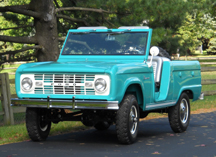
136 89
189 91
194 91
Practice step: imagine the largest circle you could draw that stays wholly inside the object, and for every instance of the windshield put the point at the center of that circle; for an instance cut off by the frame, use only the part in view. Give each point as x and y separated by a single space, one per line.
105 43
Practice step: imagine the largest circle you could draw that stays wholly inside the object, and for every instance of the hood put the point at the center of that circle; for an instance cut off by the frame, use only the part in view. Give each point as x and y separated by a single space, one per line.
59 67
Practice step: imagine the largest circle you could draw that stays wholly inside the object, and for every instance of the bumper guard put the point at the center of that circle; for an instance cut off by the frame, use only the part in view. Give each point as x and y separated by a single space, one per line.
201 97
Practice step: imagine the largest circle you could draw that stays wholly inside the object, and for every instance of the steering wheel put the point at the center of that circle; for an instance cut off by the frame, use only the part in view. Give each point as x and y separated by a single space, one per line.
135 50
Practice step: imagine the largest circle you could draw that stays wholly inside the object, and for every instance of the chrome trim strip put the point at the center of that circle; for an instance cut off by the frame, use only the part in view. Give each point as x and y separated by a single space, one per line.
161 105
70 104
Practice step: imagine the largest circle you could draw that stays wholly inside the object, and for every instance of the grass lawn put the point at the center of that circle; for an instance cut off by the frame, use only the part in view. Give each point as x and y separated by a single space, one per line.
17 133
207 60
209 102
8 71
5 70
11 65
208 75
209 87
198 54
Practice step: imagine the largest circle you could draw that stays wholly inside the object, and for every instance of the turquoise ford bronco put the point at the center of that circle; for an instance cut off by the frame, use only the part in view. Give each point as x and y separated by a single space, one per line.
106 76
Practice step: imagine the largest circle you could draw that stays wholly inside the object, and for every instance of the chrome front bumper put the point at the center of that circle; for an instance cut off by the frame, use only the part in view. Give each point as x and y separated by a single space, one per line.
66 104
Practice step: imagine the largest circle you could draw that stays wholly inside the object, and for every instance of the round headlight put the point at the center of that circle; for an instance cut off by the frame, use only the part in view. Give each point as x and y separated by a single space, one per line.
100 85
26 84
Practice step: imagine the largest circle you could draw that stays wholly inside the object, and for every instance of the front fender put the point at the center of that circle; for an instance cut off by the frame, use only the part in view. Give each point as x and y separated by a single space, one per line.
126 84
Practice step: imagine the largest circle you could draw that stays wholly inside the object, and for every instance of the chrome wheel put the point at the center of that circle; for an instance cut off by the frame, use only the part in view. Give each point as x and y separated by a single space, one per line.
133 120
127 120
183 111
43 124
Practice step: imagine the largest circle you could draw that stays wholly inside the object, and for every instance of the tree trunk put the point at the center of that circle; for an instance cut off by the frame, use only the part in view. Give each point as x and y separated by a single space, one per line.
46 30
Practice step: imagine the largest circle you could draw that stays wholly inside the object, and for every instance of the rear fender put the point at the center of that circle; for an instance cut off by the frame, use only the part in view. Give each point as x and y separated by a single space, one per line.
194 90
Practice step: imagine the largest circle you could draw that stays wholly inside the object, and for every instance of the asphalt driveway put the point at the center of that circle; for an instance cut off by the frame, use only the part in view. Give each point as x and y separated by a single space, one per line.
155 138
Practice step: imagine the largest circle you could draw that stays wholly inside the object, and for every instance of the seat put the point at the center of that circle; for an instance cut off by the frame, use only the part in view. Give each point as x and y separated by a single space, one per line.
157 64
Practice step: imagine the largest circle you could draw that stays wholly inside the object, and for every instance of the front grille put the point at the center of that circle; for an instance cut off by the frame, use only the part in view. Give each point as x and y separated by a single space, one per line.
63 84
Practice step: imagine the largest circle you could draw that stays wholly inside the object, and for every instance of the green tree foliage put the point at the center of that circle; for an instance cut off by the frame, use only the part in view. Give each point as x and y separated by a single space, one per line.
198 27
12 24
165 17
212 41
193 33
212 46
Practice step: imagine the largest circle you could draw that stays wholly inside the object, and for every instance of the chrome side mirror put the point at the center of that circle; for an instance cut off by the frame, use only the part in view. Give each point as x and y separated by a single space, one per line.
154 51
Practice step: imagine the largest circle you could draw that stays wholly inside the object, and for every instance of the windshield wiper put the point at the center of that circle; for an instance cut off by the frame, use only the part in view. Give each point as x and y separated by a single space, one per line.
122 32
80 32
116 33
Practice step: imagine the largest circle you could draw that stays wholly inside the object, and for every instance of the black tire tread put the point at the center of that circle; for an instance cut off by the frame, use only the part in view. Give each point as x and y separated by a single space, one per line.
32 125
163 53
173 115
121 120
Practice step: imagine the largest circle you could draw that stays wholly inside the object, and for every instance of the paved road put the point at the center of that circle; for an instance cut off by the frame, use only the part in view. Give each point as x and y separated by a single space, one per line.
155 138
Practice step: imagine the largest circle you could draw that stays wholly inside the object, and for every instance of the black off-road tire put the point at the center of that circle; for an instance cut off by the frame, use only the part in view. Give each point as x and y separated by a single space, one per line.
102 125
127 120
163 53
37 125
179 115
